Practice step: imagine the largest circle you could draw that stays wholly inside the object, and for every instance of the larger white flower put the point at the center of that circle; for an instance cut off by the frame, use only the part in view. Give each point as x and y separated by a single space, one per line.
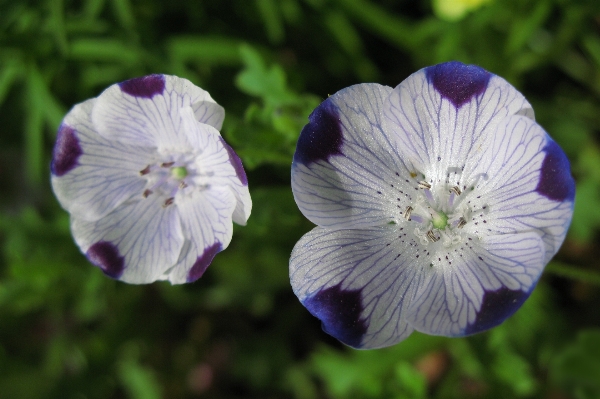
151 185
438 204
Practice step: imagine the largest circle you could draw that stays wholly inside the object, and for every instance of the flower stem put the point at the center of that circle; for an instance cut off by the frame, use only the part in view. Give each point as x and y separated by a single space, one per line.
573 272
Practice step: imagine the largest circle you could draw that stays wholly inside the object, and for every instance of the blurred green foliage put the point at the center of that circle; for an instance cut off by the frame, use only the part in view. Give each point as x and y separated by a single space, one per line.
67 331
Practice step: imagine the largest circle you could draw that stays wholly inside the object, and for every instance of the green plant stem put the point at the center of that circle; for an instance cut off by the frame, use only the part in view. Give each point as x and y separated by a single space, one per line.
573 272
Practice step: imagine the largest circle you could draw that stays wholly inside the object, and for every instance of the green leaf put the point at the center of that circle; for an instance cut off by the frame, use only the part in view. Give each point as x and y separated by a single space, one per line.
524 28
514 371
591 44
269 12
139 381
390 26
257 79
34 123
10 71
577 367
586 214
204 50
106 50
124 13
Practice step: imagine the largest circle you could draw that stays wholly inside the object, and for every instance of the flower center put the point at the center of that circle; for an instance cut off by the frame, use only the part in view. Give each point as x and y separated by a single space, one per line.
179 172
439 220
441 210
166 179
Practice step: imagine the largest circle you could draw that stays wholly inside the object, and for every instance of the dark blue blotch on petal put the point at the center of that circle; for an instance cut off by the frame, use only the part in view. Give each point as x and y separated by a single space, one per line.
66 151
339 311
458 82
106 256
556 182
236 162
146 86
497 306
322 137
204 261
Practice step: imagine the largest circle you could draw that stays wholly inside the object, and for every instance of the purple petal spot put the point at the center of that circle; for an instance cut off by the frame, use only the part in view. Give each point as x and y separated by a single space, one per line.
497 306
106 256
339 311
66 151
321 137
146 86
204 261
556 182
236 162
458 82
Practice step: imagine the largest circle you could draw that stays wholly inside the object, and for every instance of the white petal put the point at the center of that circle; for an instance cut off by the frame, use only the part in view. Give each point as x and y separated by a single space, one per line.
477 286
206 110
146 111
441 114
135 243
207 227
219 159
360 283
91 175
513 197
345 172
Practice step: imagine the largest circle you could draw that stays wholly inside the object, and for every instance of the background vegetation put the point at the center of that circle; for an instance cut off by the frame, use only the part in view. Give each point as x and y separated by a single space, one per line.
67 331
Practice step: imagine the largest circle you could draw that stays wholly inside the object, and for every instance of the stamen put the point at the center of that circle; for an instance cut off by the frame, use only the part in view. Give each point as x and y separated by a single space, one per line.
477 178
167 164
451 200
429 196
422 236
432 236
423 184
145 171
182 185
461 222
168 202
407 212
417 218
147 193
456 190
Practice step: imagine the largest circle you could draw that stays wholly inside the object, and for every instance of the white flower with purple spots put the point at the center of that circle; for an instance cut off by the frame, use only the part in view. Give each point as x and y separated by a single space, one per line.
438 204
151 185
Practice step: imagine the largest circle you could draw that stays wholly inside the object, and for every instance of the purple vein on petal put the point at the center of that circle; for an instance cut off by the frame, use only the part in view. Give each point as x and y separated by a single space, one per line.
146 86
66 151
458 82
203 261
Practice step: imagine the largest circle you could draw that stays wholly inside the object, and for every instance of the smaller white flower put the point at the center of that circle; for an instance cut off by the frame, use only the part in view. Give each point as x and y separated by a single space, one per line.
151 186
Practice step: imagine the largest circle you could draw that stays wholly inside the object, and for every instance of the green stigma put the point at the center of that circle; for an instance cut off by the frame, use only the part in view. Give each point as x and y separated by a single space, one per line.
440 220
179 172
